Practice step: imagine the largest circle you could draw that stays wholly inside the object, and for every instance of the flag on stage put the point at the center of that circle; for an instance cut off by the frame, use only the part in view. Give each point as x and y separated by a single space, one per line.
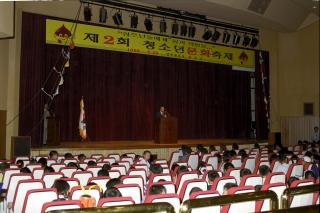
82 121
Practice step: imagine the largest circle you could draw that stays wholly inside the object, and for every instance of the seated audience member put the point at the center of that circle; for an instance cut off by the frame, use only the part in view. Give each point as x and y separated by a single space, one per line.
212 175
180 169
157 190
184 151
20 164
218 157
257 188
112 192
199 147
235 146
53 155
146 158
212 149
43 162
264 170
3 167
309 175
123 156
106 166
81 158
72 164
92 163
195 189
68 156
282 166
227 166
244 172
256 146
62 187
202 167
48 169
290 180
203 151
228 186
112 182
223 148
103 172
174 166
273 157
155 169
25 170
243 154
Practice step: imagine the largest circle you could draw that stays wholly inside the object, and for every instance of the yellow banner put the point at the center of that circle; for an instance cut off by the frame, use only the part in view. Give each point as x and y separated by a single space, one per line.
98 37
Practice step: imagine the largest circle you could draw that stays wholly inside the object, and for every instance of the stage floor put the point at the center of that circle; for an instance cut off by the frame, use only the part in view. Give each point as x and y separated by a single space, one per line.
135 144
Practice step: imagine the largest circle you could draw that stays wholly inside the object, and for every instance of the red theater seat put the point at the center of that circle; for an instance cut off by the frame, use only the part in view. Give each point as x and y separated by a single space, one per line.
61 205
115 201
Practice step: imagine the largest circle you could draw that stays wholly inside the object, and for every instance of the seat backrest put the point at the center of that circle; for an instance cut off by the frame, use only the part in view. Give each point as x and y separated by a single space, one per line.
161 161
193 161
69 160
304 182
251 180
234 172
97 156
219 183
82 176
249 163
133 179
94 170
50 177
244 206
131 155
13 183
61 205
276 177
41 196
130 190
140 172
126 164
120 168
108 160
204 194
127 159
295 170
170 186
172 199
174 157
33 166
115 201
212 160
21 190
278 188
57 166
37 173
236 162
67 171
77 191
274 165
184 176
100 181
90 159
114 174
141 166
189 185
115 156
6 177
71 181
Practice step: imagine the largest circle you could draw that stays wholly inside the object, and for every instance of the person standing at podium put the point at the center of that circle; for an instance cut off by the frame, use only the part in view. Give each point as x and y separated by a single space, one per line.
162 113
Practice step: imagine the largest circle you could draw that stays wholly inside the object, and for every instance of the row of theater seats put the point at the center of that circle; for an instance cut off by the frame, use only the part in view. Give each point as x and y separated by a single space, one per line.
24 189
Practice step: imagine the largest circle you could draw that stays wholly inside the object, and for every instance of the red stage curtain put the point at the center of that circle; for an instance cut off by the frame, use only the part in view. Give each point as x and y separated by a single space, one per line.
122 92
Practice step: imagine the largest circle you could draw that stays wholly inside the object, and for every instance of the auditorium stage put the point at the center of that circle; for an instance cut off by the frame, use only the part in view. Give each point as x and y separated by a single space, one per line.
137 146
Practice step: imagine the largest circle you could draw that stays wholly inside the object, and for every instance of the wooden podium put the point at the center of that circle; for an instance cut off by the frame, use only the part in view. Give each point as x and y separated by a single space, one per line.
53 137
166 130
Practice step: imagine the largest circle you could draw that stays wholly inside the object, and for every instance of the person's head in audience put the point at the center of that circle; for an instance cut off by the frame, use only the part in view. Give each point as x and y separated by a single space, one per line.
53 155
103 172
203 151
227 166
202 167
112 182
256 146
43 162
264 170
81 158
92 163
48 169
212 175
244 172
277 147
195 189
227 156
235 146
199 147
175 165
294 158
62 187
68 156
124 156
25 170
112 192
257 188
290 180
20 164
212 148
233 153
162 109
223 148
309 175
219 157
146 155
72 164
282 158
155 168
228 186
182 169
106 166
157 190
273 157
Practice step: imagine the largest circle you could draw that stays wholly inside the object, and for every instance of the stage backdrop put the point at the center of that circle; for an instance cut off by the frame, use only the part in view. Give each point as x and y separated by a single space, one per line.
122 91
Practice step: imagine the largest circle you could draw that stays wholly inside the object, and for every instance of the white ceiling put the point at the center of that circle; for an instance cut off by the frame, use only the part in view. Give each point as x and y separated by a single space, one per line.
281 15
